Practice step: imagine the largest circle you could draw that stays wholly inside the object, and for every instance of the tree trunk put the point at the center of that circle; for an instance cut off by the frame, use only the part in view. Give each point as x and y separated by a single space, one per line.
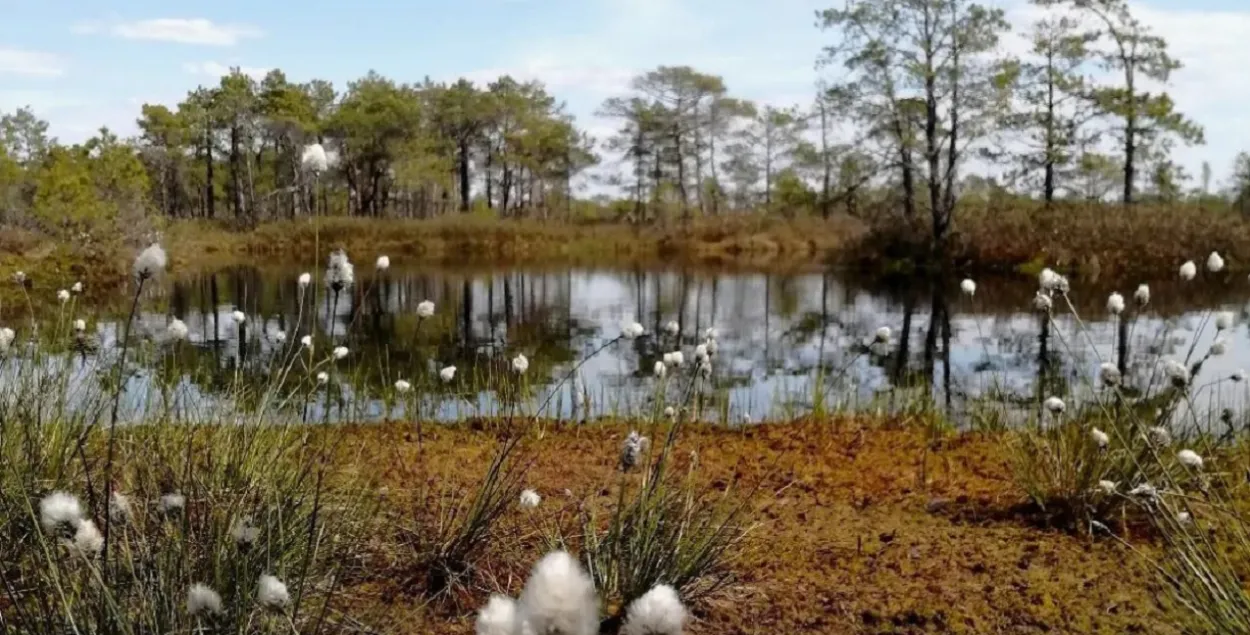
825 203
210 201
464 175
236 184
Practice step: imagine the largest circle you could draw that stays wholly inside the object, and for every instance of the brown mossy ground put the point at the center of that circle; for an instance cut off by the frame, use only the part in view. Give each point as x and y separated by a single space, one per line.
857 529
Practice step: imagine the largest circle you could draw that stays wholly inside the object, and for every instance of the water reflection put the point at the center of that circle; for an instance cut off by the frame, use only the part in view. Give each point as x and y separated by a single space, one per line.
788 343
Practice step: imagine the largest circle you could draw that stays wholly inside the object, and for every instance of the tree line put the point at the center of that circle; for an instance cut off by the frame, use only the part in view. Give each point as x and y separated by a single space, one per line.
910 96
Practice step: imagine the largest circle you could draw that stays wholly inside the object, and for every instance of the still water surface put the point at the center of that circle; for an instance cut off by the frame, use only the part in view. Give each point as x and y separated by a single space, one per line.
786 343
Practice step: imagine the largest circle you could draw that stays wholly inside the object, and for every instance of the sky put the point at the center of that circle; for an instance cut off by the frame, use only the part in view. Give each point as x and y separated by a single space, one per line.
81 65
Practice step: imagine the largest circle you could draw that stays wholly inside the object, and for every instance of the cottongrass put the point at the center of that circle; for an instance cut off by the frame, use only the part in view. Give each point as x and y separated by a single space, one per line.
150 263
658 612
173 503
58 510
498 617
202 600
425 309
530 499
559 597
272 593
176 331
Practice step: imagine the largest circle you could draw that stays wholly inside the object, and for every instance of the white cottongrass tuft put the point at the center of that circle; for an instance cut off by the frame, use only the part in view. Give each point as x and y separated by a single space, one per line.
1145 490
1107 487
1224 320
63 295
700 353
1218 347
1055 405
402 386
80 325
670 412
520 364
238 316
675 358
1109 374
447 374
19 277
323 378
1115 304
1159 435
425 309
1184 518
176 331
151 262
658 612
272 593
632 330
306 342
1176 371
632 450
304 280
498 617
6 338
882 336
968 286
76 288
58 509
120 510
1142 295
1189 458
530 499
672 328
203 600
1188 270
279 337
245 533
1215 262
1048 280
88 541
171 503
383 263
711 333
313 159
340 352
559 598
340 273
1100 437
1042 302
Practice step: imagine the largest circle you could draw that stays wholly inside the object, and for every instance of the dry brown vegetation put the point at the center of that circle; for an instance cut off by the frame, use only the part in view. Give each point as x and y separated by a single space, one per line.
859 528
741 240
1093 239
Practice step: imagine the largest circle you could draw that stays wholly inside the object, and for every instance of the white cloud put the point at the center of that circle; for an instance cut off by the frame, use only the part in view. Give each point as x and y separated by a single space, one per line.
15 61
217 69
199 31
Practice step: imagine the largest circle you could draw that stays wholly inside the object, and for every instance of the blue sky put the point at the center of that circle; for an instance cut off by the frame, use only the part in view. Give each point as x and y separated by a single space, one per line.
82 64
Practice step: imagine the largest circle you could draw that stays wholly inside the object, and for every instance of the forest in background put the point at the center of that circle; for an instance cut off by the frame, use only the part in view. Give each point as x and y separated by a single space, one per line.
912 99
